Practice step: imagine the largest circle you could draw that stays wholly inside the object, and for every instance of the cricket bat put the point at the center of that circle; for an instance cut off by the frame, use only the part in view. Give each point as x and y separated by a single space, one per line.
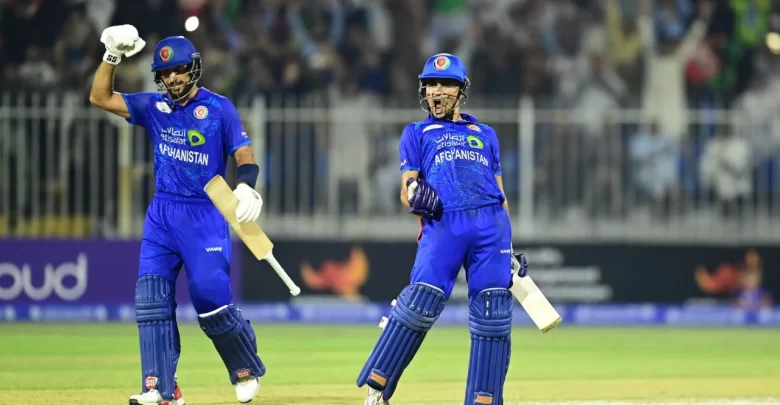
250 233
535 303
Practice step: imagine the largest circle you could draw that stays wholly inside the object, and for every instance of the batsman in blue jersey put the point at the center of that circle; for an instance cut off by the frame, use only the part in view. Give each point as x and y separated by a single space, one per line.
451 179
193 130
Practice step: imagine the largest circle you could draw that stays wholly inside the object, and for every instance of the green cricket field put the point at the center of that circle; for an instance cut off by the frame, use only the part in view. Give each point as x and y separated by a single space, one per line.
91 364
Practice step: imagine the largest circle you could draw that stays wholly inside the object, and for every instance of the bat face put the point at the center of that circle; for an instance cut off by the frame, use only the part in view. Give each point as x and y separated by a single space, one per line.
542 313
250 233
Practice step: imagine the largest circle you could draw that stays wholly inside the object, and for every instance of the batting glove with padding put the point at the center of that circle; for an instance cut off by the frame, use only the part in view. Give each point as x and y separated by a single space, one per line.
423 199
519 264
121 40
249 203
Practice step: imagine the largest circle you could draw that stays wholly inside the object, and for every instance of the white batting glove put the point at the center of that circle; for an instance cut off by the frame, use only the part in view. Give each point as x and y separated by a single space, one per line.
121 40
249 203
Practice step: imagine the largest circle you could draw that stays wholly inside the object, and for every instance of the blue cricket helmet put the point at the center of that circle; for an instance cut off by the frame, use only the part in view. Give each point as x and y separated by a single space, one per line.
444 66
174 52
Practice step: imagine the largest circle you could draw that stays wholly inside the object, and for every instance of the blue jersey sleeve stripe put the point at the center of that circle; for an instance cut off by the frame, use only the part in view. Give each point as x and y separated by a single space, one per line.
407 168
497 173
235 148
130 120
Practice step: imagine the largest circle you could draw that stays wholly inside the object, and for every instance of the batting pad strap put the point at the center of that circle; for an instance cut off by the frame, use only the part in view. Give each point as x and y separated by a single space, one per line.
490 323
416 309
158 336
235 341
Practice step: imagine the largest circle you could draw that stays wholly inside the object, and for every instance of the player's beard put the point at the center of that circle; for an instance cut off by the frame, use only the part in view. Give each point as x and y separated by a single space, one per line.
179 91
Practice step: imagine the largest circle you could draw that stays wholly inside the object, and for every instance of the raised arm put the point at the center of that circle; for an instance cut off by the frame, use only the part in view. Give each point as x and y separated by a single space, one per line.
103 95
120 40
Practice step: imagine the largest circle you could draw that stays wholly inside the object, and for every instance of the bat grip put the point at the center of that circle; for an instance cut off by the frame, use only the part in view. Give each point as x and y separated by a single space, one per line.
294 289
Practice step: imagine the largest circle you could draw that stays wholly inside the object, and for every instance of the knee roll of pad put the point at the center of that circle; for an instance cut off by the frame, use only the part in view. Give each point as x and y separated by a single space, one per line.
155 313
416 309
490 323
234 340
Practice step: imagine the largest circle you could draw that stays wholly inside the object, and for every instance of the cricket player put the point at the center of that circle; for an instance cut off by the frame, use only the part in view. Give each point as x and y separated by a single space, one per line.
193 130
451 179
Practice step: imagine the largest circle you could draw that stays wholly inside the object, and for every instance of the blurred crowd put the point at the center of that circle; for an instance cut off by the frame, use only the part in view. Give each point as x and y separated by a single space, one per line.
564 53
661 58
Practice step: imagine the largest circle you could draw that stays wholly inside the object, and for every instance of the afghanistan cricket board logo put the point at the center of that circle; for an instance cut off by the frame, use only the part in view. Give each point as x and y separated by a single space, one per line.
201 112
441 63
166 53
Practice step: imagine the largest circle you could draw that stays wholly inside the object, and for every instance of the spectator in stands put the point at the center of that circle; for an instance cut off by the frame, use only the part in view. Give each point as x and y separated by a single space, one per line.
654 156
666 54
625 48
726 167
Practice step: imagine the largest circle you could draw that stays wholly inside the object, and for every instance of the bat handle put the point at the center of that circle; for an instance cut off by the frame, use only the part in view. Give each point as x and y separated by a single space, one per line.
294 289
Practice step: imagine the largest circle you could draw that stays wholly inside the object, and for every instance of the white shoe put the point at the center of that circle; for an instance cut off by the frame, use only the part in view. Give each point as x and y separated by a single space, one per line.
374 397
247 388
177 395
151 397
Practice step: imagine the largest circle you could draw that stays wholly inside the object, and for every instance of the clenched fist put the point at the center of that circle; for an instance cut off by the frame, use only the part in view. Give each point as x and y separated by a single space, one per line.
249 203
121 40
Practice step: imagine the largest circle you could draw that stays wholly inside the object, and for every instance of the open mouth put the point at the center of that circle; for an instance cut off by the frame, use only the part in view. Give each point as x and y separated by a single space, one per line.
438 108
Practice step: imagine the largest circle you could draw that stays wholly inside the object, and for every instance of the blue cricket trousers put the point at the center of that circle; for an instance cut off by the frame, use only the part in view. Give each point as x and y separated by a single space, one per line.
478 239
191 232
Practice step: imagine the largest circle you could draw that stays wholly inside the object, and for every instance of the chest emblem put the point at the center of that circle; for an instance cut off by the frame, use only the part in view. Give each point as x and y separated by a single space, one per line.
201 112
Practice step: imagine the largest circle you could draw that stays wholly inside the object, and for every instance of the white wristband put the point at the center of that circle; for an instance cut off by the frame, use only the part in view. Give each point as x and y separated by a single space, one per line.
111 58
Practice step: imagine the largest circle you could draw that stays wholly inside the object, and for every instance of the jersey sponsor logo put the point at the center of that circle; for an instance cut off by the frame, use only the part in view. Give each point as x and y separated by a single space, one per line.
441 63
195 137
200 112
173 135
474 142
450 140
473 128
163 107
214 249
187 156
451 155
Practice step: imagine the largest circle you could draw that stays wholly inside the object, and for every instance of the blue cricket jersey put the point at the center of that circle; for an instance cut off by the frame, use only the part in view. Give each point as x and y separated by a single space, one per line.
191 142
459 159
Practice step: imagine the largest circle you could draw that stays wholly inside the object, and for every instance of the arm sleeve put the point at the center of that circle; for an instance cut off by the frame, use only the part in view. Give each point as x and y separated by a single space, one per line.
137 105
495 151
409 149
233 134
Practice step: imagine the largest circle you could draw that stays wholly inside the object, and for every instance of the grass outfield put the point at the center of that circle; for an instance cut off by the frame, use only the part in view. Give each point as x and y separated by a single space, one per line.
98 364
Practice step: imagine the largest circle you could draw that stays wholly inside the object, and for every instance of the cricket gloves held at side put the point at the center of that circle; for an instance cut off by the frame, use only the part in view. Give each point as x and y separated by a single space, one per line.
121 40
249 204
519 264
423 199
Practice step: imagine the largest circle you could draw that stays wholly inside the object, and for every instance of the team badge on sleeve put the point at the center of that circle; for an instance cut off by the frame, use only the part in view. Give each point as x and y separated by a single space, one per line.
473 128
201 112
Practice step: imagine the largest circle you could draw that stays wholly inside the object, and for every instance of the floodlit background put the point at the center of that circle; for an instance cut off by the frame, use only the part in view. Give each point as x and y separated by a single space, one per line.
640 146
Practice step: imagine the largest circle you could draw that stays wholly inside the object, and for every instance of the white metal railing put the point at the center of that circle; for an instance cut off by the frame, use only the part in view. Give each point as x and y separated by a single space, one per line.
70 170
